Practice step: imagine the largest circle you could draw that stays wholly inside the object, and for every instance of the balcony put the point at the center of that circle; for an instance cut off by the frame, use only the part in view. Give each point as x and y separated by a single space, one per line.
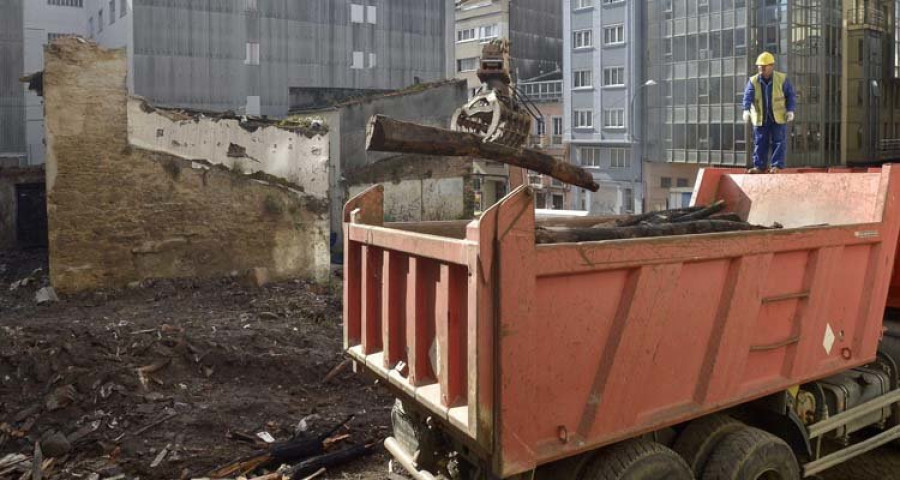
864 16
548 91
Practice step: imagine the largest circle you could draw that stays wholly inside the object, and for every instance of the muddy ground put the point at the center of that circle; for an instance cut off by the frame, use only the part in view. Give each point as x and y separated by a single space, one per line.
195 368
210 360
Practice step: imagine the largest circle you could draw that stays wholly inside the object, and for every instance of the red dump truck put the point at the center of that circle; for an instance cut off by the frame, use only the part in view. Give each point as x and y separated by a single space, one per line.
763 354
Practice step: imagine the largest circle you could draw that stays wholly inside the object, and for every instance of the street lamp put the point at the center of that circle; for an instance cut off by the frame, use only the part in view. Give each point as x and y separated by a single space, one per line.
648 83
640 151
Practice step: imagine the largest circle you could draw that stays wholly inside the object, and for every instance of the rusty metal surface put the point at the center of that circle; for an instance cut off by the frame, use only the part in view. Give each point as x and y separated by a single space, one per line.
536 352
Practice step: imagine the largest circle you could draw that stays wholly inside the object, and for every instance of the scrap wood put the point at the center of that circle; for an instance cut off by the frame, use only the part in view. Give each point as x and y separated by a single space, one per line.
331 441
302 470
573 235
314 475
152 424
279 453
336 370
37 462
385 134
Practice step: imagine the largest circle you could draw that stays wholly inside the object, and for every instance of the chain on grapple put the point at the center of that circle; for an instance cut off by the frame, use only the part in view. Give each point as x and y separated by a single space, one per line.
493 113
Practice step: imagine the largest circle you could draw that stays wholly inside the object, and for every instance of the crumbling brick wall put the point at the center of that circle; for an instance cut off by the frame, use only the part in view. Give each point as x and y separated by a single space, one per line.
119 213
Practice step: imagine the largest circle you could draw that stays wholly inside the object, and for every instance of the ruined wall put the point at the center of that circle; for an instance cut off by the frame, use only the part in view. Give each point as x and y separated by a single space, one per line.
9 178
419 188
299 156
119 213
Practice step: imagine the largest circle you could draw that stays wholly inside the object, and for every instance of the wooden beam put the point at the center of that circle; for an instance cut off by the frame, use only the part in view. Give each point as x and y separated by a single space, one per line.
386 134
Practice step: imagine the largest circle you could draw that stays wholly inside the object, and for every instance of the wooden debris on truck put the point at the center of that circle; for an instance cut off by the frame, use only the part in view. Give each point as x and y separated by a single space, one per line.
682 221
386 134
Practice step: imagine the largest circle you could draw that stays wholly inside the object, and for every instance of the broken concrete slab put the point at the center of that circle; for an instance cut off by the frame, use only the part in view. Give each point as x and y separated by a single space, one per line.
45 295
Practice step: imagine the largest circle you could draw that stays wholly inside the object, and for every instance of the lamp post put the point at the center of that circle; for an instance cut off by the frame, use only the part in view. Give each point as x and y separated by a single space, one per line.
636 144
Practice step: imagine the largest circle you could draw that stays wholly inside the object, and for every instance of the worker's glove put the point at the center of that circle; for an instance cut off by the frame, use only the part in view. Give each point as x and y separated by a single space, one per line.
789 116
746 115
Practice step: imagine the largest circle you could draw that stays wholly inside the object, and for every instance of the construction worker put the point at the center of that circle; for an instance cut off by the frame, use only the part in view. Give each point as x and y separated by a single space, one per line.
769 102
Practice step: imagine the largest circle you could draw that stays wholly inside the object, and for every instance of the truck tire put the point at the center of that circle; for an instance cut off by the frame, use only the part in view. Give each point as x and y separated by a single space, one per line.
751 454
696 442
637 459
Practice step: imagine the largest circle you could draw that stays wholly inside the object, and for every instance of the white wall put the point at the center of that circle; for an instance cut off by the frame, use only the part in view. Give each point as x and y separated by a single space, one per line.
294 157
41 20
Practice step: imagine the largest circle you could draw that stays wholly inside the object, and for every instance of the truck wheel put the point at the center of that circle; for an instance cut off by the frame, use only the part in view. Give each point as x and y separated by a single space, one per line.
696 442
637 460
751 454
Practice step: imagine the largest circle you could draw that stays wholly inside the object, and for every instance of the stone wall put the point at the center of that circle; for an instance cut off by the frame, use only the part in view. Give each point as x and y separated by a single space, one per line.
119 213
9 178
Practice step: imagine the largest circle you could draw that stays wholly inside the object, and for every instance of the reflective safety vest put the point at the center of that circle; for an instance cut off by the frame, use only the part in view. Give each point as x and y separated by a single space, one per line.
779 107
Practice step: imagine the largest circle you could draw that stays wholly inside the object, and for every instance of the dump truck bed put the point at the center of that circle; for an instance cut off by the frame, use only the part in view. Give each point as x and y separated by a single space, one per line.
530 353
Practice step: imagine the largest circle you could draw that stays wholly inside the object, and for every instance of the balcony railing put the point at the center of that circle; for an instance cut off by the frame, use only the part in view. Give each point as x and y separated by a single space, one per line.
889 149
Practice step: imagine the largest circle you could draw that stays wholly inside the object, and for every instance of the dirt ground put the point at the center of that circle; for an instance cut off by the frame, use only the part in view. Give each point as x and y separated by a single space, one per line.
195 368
210 360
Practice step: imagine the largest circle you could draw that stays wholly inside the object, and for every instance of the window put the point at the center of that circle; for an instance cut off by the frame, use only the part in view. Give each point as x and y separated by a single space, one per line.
556 138
372 14
488 32
100 21
91 27
614 77
357 61
589 157
682 183
614 35
583 4
611 2
665 182
356 13
123 8
557 200
540 127
583 79
252 57
583 38
614 118
112 12
66 3
465 35
373 60
467 64
250 5
618 158
535 181
628 200
53 36
584 118
557 126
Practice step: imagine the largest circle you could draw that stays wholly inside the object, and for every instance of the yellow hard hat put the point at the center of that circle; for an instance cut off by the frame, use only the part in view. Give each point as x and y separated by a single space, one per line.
765 58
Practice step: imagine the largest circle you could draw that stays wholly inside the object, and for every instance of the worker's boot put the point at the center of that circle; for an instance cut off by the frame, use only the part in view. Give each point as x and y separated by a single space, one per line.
775 169
754 170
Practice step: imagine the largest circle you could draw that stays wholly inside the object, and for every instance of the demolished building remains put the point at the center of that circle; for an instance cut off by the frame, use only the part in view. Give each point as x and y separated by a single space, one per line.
138 192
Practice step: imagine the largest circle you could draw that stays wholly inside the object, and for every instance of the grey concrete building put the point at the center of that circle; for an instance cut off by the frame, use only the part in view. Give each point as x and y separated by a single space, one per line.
12 95
247 55
603 42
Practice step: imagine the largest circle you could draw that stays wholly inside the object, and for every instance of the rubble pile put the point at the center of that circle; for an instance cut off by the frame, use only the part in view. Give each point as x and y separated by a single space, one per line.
178 379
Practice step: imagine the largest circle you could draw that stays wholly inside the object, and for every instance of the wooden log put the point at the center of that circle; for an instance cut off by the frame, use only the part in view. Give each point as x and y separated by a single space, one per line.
573 235
386 134
701 214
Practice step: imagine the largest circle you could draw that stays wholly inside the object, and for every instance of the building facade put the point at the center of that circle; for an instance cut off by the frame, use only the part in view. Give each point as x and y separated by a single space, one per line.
547 136
247 55
602 80
840 55
533 28
13 146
